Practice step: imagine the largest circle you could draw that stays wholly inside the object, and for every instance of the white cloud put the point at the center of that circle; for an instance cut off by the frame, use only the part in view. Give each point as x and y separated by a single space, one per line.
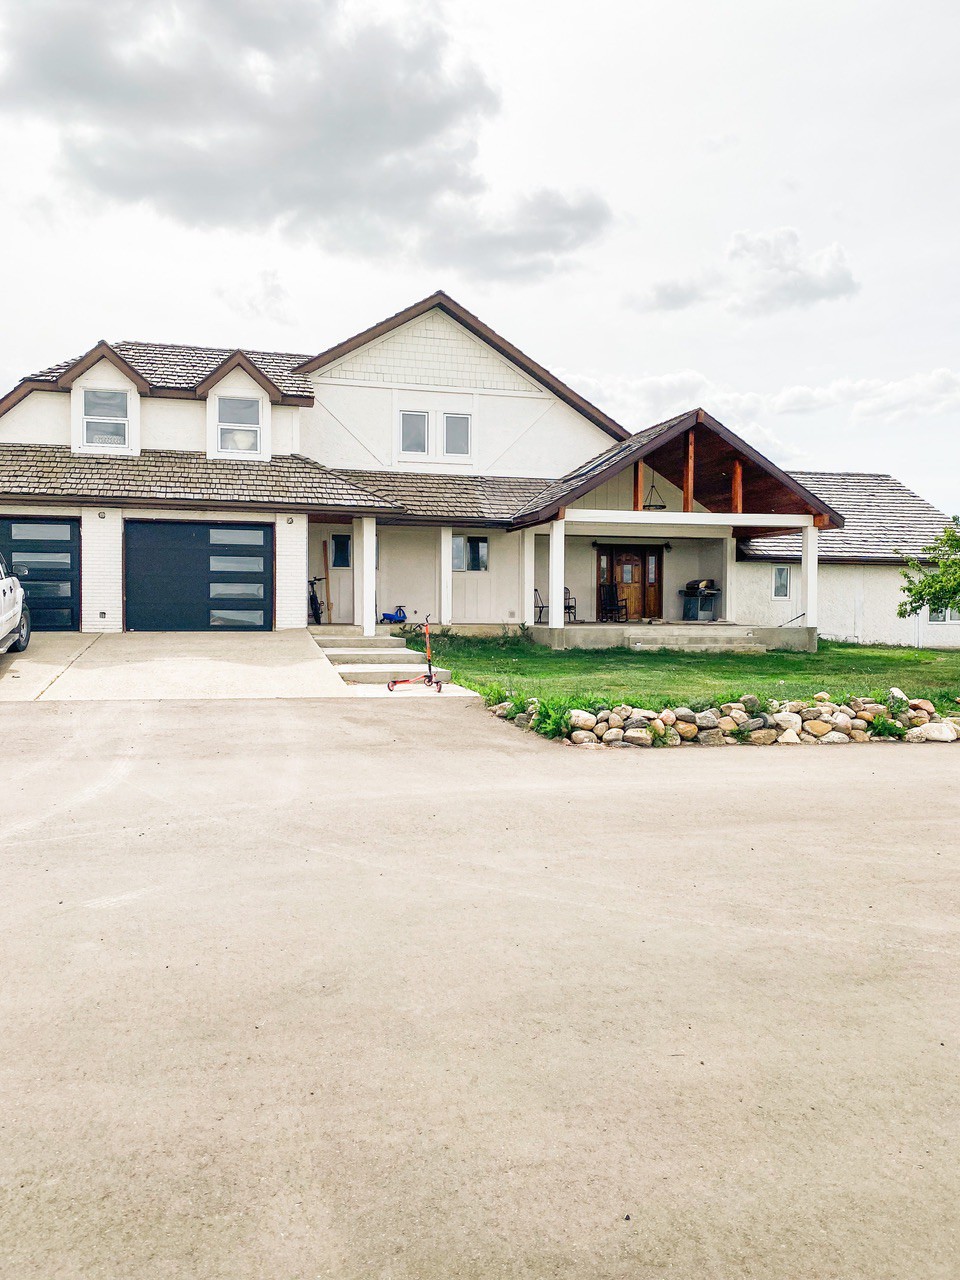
316 117
762 273
764 418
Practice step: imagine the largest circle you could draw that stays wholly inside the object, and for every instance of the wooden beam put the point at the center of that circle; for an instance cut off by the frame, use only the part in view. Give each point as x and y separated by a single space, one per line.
737 493
821 522
638 485
688 473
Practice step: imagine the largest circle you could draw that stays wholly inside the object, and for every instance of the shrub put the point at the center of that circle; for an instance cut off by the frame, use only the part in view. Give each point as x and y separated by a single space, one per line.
884 728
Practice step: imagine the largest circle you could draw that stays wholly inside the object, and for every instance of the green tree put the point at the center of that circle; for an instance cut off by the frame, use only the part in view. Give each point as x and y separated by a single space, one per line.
935 582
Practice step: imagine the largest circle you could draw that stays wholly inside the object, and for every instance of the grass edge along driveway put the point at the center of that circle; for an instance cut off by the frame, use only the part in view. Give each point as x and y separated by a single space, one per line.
669 677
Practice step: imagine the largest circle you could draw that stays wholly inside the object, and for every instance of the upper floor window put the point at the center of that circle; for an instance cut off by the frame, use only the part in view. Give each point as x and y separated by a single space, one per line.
106 423
238 425
413 432
456 434
781 582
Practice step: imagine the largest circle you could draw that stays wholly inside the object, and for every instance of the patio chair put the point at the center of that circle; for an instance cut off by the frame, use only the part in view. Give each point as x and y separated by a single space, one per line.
612 607
569 606
538 604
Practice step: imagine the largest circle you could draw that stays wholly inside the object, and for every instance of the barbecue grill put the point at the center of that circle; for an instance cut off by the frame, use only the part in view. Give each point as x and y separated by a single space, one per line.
701 600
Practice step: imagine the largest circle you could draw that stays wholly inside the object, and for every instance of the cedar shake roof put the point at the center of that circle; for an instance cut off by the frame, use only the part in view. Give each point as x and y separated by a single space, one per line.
173 366
777 490
884 520
472 499
172 476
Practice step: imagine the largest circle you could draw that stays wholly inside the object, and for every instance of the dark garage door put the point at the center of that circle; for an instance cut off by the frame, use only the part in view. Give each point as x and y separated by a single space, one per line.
45 555
182 576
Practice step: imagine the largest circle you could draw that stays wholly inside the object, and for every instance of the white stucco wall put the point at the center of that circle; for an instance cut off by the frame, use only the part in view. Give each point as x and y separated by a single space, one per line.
857 602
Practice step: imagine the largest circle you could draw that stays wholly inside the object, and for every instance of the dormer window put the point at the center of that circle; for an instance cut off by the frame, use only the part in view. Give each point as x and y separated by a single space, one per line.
238 425
413 432
456 435
106 423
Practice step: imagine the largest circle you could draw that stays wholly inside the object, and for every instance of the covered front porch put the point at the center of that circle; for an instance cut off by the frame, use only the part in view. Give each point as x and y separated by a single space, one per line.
628 578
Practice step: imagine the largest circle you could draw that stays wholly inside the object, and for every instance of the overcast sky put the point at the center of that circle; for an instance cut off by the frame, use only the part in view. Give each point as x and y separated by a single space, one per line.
751 207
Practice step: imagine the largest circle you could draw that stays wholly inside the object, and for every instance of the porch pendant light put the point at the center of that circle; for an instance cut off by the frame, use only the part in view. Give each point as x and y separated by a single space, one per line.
653 501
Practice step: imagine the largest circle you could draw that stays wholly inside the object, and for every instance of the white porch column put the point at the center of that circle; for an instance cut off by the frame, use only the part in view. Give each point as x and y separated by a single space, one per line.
557 573
356 560
368 575
728 606
528 579
808 574
446 575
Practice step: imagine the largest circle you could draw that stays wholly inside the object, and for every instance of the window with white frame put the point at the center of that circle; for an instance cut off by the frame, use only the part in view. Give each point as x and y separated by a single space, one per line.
238 424
470 555
413 432
106 422
781 582
945 615
456 435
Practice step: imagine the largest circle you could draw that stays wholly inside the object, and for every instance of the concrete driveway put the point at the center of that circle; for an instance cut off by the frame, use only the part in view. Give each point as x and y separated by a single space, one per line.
357 989
179 665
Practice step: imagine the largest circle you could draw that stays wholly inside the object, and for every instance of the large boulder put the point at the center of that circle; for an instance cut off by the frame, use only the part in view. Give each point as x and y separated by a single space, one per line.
582 720
684 713
945 731
706 720
789 738
922 704
751 703
612 735
842 722
686 730
788 720
763 737
668 717
727 724
711 738
580 736
638 737
818 728
915 735
756 722
615 721
834 737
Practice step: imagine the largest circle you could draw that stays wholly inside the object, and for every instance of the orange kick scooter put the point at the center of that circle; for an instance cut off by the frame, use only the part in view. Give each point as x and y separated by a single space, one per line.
429 678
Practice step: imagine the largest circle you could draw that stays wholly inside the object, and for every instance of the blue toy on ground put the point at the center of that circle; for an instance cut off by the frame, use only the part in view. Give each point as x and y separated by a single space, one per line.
398 615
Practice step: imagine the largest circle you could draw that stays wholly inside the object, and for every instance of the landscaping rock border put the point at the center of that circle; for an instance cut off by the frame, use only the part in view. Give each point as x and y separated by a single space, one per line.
751 721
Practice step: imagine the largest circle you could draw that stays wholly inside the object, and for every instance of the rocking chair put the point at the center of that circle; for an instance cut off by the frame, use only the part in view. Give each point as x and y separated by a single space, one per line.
612 607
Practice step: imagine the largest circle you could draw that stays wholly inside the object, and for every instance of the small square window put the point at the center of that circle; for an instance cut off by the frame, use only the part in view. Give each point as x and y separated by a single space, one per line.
781 582
456 434
945 615
341 551
413 433
470 555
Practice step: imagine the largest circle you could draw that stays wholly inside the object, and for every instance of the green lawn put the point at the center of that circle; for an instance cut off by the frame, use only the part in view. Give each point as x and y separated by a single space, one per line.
668 677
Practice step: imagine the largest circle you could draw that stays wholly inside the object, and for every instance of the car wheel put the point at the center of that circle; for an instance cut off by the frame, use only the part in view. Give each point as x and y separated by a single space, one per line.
23 635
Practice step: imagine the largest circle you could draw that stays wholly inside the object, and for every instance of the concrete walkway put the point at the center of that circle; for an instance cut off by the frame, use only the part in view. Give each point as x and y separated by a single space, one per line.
157 667
358 991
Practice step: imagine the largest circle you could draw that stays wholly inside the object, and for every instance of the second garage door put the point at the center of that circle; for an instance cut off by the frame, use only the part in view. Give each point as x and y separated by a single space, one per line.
187 576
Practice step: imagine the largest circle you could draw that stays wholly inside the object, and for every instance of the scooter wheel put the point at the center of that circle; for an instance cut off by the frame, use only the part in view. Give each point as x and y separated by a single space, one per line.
391 685
439 686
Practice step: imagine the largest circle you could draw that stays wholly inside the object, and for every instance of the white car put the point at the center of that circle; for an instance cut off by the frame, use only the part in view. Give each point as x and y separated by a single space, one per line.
14 614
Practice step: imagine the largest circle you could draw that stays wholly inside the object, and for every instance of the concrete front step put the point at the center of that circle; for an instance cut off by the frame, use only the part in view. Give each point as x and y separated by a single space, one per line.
353 640
717 645
348 632
380 655
382 673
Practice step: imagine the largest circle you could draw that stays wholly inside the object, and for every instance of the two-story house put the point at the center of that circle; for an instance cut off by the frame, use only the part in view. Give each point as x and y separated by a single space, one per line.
425 462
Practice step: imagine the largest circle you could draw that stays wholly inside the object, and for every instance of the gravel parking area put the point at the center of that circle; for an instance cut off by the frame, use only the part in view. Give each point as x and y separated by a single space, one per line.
389 990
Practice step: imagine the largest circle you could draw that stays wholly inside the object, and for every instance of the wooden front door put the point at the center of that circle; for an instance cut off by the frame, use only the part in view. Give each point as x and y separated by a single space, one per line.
637 573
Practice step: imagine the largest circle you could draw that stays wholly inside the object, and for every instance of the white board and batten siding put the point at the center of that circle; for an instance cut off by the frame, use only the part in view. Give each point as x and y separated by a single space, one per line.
518 427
